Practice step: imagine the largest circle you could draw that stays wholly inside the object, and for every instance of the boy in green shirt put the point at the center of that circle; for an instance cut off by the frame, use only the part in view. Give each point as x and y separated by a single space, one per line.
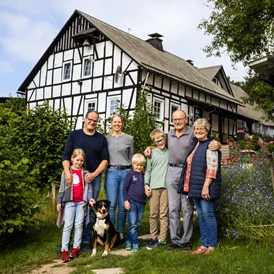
156 189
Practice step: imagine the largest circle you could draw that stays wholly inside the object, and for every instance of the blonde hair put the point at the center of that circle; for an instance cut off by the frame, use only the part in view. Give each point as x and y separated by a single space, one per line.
138 158
117 115
76 152
202 122
155 132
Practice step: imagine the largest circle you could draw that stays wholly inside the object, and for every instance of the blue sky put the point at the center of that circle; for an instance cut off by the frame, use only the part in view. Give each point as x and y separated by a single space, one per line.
27 27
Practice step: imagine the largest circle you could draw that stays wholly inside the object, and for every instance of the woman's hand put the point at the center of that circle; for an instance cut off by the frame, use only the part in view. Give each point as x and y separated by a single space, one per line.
205 193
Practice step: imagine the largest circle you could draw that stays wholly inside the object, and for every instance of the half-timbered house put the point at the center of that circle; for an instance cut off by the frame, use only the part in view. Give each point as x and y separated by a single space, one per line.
93 65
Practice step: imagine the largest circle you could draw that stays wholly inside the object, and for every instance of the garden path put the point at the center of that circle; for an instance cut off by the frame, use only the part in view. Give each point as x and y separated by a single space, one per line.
58 267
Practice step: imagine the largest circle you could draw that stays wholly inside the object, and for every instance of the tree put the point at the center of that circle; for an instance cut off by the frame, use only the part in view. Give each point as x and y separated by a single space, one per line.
244 28
259 94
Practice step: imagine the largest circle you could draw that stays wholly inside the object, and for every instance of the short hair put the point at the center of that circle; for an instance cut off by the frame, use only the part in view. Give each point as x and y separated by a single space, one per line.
156 131
203 122
76 152
90 111
138 158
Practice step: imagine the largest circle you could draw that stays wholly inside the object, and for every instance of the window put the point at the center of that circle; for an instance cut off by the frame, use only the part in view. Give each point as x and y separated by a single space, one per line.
87 67
158 109
67 71
173 107
113 104
90 105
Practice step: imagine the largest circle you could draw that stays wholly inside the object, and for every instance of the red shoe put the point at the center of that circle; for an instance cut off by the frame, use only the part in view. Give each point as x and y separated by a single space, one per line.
75 253
65 256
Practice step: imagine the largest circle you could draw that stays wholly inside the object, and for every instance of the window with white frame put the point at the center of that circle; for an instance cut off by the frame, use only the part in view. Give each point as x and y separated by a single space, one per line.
173 107
90 105
67 71
113 104
87 67
158 106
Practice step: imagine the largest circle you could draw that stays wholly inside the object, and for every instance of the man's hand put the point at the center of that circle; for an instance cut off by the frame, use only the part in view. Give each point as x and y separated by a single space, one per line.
214 145
89 177
68 177
148 151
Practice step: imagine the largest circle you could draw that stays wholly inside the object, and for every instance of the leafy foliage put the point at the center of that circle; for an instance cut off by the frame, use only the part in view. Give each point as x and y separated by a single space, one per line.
243 27
31 145
41 133
259 93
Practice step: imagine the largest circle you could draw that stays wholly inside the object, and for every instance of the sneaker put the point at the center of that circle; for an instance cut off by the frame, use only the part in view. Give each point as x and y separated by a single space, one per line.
65 256
153 244
186 247
85 248
161 243
172 247
149 242
75 253
135 247
128 245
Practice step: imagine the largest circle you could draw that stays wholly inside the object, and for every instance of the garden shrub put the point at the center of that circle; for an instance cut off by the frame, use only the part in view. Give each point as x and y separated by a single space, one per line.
31 147
41 133
246 207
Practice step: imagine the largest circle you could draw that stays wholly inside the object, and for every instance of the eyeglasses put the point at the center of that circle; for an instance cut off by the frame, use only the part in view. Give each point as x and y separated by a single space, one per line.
92 120
178 119
159 141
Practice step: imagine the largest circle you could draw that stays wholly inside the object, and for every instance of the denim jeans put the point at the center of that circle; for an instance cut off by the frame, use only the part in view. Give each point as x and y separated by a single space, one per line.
207 221
74 215
87 229
135 215
114 190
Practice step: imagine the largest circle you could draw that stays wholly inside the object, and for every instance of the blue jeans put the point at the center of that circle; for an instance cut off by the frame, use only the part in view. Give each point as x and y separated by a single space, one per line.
207 221
74 215
87 228
114 190
135 215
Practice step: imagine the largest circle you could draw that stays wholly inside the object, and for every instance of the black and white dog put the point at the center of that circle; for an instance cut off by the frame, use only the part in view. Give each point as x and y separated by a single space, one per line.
104 232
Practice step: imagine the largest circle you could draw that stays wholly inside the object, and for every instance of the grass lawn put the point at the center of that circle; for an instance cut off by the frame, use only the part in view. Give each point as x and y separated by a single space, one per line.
231 256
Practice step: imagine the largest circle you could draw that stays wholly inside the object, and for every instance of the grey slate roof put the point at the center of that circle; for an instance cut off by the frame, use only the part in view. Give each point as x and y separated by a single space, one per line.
155 60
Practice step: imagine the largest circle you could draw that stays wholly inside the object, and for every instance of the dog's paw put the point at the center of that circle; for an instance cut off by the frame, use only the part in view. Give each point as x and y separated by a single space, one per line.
93 252
105 253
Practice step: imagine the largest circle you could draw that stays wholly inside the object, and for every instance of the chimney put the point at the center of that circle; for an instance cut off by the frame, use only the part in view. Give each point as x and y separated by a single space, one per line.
190 62
155 41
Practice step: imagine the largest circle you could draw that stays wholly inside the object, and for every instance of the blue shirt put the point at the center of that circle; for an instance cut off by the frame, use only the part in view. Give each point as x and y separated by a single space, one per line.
95 147
133 189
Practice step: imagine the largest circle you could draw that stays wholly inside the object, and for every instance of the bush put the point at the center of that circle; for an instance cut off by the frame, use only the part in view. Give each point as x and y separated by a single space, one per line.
41 133
246 207
31 146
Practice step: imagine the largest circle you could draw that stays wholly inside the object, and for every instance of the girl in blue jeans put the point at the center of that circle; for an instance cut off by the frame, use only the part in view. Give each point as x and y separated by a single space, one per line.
72 202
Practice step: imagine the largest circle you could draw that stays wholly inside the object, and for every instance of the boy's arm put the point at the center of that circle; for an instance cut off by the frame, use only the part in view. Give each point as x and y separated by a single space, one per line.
126 186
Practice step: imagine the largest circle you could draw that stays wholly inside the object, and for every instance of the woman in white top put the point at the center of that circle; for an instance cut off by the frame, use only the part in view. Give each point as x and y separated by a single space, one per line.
120 146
